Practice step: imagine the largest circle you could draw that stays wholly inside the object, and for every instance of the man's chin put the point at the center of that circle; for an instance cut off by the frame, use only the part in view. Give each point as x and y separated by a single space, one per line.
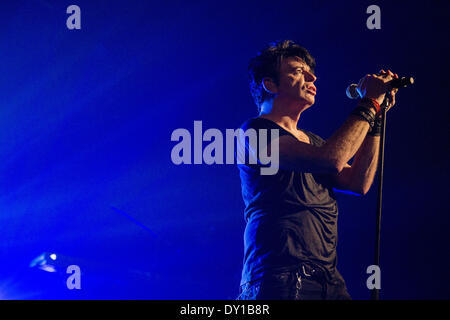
309 100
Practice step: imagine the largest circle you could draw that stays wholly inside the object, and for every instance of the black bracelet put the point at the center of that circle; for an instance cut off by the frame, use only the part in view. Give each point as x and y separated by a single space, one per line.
376 129
365 113
370 103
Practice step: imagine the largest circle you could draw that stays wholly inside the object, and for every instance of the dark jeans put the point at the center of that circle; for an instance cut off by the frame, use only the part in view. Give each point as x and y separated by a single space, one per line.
305 283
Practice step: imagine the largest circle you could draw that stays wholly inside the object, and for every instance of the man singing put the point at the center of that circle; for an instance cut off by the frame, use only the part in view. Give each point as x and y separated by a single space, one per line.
291 233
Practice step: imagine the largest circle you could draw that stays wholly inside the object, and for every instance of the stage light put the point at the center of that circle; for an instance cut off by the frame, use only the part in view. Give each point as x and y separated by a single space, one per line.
44 262
48 268
53 262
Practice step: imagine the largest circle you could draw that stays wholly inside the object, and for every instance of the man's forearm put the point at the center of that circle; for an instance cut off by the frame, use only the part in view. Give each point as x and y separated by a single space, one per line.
345 142
364 165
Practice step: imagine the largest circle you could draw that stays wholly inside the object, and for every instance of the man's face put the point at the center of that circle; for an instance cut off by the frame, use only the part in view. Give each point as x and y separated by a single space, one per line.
296 81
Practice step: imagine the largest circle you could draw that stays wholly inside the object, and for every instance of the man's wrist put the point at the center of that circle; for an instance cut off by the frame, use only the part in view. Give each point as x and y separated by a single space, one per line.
370 103
376 129
366 114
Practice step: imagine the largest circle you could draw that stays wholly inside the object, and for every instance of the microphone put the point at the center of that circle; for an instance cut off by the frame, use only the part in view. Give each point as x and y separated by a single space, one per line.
403 82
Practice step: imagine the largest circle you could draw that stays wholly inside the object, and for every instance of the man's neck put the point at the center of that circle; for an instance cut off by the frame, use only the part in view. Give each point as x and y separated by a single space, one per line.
286 115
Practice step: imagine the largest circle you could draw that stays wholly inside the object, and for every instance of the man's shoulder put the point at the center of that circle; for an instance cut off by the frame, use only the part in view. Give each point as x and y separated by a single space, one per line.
317 140
262 123
258 123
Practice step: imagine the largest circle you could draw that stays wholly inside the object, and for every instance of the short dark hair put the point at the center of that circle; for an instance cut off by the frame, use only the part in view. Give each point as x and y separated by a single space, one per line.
267 64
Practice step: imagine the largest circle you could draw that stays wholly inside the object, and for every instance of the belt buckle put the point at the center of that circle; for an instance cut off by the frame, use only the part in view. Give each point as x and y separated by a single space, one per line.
307 274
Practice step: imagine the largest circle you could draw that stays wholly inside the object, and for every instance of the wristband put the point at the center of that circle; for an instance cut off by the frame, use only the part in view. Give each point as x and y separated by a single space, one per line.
370 103
364 113
376 129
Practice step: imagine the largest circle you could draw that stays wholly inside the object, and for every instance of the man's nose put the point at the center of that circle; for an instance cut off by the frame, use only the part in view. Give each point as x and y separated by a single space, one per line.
310 77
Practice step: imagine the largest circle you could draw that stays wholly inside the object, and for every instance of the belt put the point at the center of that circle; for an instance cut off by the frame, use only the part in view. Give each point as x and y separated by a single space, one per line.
314 272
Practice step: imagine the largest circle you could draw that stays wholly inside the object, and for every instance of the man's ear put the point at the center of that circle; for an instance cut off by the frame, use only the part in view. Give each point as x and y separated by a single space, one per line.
269 85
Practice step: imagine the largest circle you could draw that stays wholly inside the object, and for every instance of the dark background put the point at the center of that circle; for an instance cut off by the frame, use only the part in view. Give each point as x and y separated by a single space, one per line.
86 118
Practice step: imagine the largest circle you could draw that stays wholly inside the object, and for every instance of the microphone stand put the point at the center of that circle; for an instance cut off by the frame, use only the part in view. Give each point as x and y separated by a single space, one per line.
384 105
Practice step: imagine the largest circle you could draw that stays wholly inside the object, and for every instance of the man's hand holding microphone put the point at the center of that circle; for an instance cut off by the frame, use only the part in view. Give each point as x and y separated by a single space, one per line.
372 89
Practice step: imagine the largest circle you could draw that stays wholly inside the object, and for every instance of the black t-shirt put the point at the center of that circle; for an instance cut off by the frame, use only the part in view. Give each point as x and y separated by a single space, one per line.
291 216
